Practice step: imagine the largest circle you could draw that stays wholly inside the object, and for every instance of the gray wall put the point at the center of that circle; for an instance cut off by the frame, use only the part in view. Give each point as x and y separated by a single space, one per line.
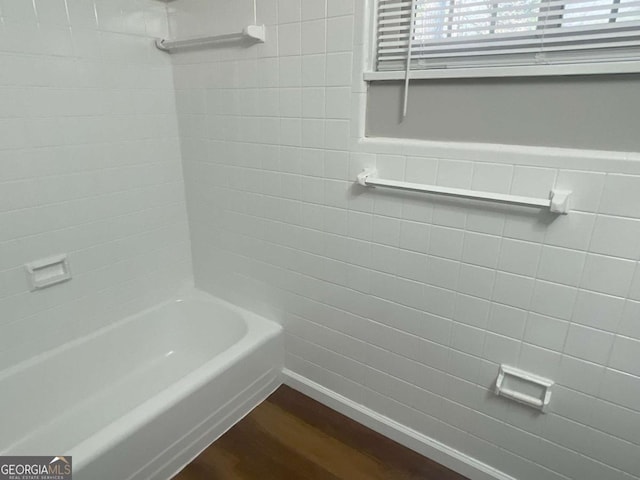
597 112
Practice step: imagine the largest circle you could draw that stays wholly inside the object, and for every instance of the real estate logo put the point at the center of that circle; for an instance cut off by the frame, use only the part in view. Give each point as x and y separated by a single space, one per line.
35 468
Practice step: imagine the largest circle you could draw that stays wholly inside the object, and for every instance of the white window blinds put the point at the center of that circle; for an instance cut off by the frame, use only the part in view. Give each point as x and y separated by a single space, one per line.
473 33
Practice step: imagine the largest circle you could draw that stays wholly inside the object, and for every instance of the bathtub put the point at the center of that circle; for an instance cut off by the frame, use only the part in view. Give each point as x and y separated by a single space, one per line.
143 397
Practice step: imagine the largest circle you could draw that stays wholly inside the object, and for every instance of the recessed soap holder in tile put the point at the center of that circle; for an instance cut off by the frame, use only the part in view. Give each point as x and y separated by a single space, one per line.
524 387
48 272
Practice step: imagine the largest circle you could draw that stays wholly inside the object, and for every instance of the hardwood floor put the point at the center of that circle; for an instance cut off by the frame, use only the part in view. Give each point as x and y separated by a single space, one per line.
290 436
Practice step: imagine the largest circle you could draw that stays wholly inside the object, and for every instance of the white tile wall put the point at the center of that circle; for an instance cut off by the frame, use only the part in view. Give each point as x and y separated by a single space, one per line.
405 303
89 166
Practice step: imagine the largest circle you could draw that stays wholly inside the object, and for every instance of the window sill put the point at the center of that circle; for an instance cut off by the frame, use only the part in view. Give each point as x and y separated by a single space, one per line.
601 68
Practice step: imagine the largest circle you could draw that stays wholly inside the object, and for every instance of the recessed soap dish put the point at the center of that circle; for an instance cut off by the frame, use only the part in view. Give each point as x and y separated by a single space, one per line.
524 387
48 271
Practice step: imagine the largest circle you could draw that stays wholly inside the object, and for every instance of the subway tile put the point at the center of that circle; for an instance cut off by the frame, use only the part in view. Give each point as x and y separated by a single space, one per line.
507 321
337 134
389 206
625 354
340 34
519 257
607 275
291 131
290 100
500 349
532 181
468 339
471 310
313 9
481 249
338 69
313 37
289 11
391 166
621 195
477 281
412 265
613 419
454 174
446 242
414 236
442 272
492 177
313 102
386 230
384 258
580 375
485 220
338 101
18 11
573 405
561 265
553 299
438 301
340 7
539 361
513 290
598 310
463 365
290 73
450 214
521 224
567 433
616 236
614 451
52 12
588 344
570 231
360 225
421 170
434 328
416 209
312 136
314 70
336 165
546 332
621 388
630 322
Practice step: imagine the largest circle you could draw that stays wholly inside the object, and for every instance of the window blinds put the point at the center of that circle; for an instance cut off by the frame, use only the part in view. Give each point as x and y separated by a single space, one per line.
472 33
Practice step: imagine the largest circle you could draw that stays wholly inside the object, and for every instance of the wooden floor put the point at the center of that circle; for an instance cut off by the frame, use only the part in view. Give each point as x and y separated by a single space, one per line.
290 436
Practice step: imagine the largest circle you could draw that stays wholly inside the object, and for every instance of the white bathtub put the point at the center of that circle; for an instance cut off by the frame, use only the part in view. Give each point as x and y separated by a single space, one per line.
141 398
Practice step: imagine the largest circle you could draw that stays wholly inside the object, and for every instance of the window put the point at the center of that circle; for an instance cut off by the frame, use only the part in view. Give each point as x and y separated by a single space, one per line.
574 36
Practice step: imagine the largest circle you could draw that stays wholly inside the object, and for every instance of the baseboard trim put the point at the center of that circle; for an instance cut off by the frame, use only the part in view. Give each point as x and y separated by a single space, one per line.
424 445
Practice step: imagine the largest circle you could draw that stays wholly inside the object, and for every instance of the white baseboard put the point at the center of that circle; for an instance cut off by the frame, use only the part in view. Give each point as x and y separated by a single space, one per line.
422 444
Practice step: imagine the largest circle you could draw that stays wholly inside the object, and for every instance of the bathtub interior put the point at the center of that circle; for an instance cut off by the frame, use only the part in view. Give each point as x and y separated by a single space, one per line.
67 395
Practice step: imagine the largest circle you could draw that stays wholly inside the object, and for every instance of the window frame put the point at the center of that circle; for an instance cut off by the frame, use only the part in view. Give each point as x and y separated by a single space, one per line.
371 74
